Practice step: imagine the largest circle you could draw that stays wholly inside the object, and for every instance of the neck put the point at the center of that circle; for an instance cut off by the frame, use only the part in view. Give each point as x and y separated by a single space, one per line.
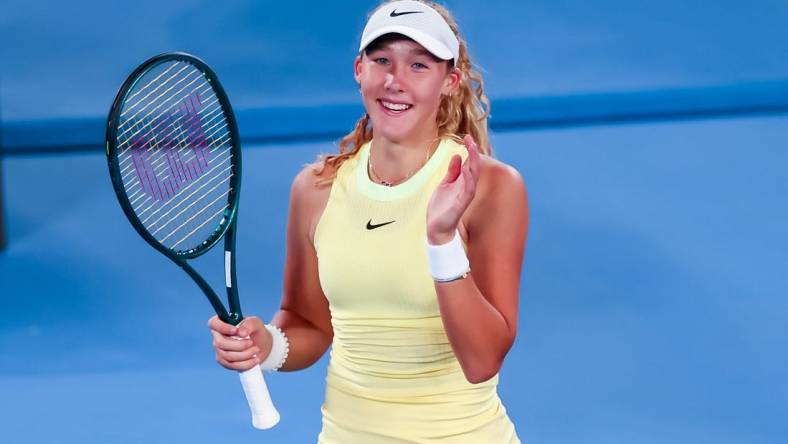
396 160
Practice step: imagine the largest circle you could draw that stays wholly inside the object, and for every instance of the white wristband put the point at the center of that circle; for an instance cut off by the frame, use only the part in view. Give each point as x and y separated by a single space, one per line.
280 348
447 262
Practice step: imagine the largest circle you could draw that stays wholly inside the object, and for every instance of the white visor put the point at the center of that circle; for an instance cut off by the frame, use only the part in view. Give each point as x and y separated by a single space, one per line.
417 21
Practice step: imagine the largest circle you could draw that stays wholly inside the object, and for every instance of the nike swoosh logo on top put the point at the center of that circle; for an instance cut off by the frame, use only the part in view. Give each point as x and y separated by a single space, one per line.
394 13
371 226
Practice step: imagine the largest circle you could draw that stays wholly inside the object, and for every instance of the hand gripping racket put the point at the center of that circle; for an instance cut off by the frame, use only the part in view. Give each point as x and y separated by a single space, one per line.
175 163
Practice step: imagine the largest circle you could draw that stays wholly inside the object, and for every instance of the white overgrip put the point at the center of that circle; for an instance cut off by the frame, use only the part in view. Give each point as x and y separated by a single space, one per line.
264 414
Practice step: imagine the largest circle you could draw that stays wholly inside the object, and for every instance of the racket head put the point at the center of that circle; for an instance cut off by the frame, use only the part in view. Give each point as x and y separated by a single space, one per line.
174 154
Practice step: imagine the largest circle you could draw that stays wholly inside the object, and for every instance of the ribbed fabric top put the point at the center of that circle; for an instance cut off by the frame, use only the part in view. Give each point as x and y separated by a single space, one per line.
393 375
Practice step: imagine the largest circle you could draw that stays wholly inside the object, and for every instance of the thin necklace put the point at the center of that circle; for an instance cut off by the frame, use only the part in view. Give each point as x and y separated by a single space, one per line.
376 177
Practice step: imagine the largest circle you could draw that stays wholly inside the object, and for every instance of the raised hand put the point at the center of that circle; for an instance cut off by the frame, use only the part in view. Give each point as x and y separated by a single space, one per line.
453 195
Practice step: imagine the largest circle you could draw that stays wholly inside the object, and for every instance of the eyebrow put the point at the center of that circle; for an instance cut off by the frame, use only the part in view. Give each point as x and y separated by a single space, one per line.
421 51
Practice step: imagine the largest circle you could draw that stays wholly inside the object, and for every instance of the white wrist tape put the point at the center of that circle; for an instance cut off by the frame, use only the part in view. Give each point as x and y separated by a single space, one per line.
447 262
280 348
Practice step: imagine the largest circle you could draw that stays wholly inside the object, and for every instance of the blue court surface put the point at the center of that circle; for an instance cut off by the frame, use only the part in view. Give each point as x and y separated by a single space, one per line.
653 299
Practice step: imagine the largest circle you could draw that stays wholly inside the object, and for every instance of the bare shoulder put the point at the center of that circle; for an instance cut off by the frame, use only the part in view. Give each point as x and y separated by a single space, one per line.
499 177
307 183
309 196
501 192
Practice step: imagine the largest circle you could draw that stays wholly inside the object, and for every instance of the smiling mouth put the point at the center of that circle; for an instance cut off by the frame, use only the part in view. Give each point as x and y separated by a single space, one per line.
394 108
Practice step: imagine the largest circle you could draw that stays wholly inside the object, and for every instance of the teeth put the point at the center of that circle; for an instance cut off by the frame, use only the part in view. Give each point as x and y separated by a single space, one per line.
395 106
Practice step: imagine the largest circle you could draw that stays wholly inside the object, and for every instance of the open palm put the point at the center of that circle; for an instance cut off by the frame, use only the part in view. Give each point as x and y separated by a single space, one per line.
453 195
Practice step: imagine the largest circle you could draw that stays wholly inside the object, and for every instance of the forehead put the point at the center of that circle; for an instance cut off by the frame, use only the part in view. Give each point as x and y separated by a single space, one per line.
396 42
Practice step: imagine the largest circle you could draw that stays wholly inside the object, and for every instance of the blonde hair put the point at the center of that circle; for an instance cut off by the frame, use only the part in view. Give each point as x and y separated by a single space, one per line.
463 112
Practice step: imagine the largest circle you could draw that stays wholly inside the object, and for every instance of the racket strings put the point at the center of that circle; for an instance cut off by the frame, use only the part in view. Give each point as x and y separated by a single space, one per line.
155 79
167 94
174 152
203 208
138 192
160 163
147 127
188 201
152 127
148 204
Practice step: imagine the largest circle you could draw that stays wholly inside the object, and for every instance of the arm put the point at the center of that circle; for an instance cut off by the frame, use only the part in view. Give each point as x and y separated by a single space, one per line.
304 315
479 312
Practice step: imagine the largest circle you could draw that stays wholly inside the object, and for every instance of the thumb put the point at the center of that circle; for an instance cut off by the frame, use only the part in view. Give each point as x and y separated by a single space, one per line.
248 326
454 170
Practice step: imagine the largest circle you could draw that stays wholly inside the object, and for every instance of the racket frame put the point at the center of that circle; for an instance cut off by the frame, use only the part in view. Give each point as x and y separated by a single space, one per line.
226 226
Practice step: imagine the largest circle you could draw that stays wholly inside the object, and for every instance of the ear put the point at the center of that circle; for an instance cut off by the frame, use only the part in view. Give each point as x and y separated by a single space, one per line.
452 81
357 69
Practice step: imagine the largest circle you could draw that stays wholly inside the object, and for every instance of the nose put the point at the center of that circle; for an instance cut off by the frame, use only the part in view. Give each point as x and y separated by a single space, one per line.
390 82
393 81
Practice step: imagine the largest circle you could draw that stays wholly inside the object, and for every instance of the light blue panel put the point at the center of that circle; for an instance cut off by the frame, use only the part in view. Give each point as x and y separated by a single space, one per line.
652 300
653 297
110 336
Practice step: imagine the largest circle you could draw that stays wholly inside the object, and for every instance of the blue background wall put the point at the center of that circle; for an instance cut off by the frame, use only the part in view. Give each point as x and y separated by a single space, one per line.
67 59
653 295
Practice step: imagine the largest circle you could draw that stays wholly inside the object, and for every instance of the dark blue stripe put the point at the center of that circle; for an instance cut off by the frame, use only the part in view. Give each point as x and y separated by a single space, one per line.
278 125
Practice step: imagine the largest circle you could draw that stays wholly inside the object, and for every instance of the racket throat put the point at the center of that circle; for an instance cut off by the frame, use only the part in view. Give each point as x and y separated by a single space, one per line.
235 314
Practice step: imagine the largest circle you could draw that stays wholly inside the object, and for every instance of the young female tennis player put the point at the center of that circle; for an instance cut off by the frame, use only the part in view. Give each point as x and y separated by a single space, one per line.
403 252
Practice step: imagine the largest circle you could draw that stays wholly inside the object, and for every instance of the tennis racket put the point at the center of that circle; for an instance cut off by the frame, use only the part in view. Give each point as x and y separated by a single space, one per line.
175 162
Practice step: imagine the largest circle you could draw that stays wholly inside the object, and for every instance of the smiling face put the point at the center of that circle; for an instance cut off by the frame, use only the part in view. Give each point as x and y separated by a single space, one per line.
402 84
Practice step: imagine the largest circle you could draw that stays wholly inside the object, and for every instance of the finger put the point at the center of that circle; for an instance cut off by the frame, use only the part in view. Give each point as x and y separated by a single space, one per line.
238 366
222 327
468 140
469 185
470 144
249 325
454 170
229 343
473 156
238 356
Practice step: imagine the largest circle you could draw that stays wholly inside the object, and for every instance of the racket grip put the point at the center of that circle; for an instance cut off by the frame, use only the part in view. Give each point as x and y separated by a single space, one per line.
264 414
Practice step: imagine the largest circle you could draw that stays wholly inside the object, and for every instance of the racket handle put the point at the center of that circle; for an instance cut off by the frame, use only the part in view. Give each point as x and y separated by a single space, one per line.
264 414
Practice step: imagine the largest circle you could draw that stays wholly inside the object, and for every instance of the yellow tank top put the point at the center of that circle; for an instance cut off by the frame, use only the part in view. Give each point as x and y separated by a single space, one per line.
393 377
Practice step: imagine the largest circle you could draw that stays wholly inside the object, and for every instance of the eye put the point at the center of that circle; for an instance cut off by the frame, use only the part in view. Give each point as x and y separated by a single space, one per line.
419 65
381 60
